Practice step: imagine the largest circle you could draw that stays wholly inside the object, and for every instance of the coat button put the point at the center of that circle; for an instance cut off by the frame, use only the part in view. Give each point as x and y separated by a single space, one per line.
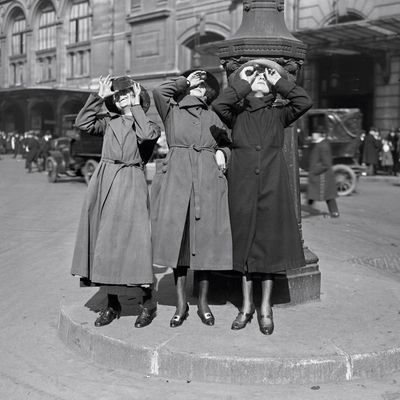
258 147
164 170
257 171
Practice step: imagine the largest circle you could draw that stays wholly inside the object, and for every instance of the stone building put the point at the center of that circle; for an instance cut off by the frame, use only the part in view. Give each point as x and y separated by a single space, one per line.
52 52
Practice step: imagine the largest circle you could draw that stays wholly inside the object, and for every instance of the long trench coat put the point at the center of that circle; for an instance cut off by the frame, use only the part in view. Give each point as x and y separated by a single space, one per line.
189 184
265 232
113 244
321 180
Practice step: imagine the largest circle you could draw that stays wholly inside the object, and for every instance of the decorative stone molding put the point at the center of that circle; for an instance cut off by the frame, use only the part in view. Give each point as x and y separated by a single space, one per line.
148 16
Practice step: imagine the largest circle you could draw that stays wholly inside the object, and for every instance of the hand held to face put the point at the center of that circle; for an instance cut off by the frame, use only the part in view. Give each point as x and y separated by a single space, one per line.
196 78
272 75
248 74
105 87
135 96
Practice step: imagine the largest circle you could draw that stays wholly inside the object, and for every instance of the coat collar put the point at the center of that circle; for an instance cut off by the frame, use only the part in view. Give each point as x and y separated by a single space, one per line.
256 103
119 128
192 101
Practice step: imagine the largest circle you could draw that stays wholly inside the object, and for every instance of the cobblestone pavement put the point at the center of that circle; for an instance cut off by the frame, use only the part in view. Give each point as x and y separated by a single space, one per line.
38 221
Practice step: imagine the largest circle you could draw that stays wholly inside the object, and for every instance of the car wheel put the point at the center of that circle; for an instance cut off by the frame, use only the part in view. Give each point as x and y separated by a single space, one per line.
88 170
51 168
346 179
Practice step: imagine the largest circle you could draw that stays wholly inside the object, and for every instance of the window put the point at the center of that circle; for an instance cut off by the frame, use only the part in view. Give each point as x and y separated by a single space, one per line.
79 25
18 36
47 30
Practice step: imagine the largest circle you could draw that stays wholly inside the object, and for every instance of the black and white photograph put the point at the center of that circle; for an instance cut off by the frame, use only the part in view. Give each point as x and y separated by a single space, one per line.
200 199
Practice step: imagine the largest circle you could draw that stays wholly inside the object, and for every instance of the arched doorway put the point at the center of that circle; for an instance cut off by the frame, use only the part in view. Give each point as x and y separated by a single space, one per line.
12 118
42 117
193 57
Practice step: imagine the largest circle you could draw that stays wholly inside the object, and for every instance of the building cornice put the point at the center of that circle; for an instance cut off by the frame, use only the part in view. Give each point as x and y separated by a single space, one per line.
141 18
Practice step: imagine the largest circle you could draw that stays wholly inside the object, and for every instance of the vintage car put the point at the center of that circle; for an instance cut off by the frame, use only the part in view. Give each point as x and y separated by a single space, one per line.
75 155
343 129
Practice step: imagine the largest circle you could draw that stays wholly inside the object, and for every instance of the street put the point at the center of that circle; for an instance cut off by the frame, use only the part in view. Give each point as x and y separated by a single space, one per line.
37 233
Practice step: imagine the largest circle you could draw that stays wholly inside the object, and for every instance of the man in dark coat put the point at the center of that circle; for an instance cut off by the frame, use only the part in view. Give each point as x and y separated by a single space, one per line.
265 233
321 180
33 147
371 151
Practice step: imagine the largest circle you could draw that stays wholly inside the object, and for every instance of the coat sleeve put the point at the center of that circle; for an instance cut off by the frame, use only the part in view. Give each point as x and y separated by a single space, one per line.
145 128
166 92
300 102
226 103
88 120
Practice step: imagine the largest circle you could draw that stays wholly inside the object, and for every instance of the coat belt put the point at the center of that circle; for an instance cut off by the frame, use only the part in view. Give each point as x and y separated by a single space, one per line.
195 171
124 163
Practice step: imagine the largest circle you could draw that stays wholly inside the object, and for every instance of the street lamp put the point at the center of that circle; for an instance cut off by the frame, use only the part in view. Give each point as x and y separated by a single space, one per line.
263 33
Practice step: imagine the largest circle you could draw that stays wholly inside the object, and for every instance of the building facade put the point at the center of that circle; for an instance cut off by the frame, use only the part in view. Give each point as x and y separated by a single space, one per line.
53 51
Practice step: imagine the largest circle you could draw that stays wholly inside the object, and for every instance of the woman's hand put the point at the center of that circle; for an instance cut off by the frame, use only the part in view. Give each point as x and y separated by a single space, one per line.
105 87
196 78
248 74
272 75
135 96
220 158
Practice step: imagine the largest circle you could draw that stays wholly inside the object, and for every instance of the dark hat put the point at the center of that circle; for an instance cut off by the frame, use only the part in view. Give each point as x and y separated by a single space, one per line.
211 82
123 83
263 63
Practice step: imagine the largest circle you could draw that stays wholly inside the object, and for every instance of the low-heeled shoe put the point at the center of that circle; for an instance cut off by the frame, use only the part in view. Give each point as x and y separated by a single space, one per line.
266 329
145 317
238 323
206 318
107 316
177 320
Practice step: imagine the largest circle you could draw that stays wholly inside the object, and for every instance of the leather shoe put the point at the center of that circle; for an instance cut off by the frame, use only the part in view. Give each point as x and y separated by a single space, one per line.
146 317
107 316
177 320
266 324
242 320
335 215
206 318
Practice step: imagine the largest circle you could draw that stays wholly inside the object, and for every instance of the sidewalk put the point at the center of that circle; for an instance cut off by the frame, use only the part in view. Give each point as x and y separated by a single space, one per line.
351 333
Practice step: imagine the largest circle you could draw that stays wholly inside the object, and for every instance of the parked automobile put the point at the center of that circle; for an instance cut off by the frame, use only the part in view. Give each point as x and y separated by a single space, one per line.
343 129
76 155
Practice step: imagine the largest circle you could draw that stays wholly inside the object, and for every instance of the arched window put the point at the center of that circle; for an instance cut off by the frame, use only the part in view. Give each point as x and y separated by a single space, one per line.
47 29
18 35
79 25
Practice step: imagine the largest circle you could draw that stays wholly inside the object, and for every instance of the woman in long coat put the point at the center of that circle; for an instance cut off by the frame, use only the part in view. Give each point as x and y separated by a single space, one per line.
321 179
189 203
113 244
266 238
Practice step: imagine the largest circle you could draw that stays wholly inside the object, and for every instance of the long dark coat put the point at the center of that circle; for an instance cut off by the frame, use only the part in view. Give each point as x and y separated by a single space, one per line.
371 150
265 232
321 180
189 182
113 244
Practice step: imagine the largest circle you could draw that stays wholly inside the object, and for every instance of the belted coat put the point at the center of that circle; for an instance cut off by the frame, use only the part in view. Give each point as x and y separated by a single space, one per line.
265 232
321 180
189 184
113 243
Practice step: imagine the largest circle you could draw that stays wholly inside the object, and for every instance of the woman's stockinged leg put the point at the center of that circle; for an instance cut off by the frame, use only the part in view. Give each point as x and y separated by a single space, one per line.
247 294
266 321
203 280
204 312
267 284
180 273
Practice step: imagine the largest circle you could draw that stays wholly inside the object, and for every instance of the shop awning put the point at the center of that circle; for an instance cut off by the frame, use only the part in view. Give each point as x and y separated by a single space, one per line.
355 37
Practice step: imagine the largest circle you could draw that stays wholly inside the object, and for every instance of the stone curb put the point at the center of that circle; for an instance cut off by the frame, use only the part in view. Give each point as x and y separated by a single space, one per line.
159 361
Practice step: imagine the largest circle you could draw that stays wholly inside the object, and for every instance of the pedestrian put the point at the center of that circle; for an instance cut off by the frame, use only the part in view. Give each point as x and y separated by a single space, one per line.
371 151
387 157
321 179
189 203
32 150
266 237
393 139
113 244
